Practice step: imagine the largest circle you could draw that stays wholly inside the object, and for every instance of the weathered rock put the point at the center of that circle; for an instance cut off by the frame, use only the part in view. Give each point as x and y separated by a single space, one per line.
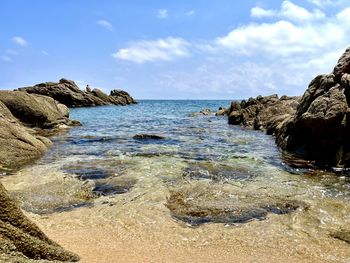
35 110
262 113
221 112
18 146
205 112
319 129
69 94
121 97
199 206
21 240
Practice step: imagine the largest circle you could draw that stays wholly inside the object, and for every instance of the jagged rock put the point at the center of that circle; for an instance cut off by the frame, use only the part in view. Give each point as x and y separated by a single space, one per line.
262 113
69 94
35 110
121 97
319 129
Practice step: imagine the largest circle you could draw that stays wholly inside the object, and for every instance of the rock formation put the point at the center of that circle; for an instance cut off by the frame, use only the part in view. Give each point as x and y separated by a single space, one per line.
319 130
69 94
316 127
262 113
20 239
35 110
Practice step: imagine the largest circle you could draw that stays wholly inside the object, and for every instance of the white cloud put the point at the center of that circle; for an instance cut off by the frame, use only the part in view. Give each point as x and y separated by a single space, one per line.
105 24
6 58
166 49
287 38
44 52
190 13
259 12
162 13
326 3
20 41
289 11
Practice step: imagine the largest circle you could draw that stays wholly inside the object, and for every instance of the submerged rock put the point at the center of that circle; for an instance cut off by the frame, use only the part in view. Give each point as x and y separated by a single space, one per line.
69 94
144 136
217 172
205 112
21 240
198 207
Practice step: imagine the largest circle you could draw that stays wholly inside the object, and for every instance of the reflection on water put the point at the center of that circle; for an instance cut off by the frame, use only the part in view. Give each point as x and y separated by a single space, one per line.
203 171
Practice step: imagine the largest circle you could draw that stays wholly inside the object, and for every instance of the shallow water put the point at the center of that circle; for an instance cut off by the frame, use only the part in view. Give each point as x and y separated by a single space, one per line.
205 172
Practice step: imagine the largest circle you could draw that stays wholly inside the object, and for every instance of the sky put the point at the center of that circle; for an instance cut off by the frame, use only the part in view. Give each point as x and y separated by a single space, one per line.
183 49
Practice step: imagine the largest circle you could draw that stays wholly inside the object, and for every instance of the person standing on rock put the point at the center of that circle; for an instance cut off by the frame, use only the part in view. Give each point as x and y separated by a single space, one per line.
87 88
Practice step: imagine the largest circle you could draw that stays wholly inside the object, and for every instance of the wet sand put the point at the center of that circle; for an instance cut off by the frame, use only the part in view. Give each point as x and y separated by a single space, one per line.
106 234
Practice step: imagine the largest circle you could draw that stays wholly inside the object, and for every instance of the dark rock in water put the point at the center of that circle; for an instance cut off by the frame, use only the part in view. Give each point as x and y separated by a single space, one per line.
216 172
144 136
113 186
21 240
69 94
197 209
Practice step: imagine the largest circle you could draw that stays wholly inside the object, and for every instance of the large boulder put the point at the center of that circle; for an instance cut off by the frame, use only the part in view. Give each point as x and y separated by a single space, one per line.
319 130
21 240
35 110
262 113
18 146
69 94
121 97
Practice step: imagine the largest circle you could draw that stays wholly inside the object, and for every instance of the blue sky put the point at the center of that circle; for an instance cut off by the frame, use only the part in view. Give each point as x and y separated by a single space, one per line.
173 49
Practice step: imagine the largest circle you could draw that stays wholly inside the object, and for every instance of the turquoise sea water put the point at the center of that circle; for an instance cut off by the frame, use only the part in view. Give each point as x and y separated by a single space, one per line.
203 171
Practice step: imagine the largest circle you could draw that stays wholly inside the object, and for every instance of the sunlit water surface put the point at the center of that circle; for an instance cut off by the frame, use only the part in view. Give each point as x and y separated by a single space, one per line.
204 172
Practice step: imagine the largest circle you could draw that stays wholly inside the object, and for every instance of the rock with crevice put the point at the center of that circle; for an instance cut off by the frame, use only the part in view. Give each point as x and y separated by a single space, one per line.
262 113
319 129
35 110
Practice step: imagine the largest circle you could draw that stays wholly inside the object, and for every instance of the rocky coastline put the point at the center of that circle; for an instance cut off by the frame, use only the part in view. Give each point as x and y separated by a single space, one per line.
313 127
68 93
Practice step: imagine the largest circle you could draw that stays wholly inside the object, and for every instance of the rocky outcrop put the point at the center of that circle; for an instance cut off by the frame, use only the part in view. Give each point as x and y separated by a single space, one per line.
319 130
315 128
35 110
262 113
21 240
69 94
222 112
18 146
